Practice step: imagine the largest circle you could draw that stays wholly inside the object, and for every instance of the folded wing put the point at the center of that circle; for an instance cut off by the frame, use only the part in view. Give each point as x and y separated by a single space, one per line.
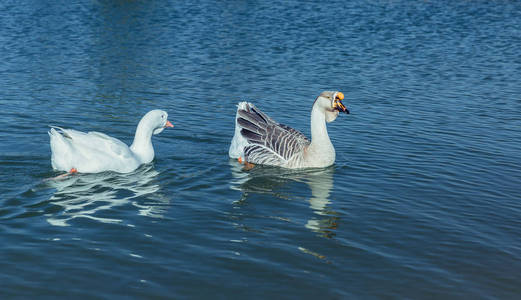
269 142
88 151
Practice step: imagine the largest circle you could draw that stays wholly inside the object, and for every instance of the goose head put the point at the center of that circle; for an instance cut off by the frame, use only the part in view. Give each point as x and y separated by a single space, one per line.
153 122
156 120
331 103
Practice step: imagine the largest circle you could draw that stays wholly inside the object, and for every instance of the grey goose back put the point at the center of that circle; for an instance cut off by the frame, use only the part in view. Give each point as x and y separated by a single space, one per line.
259 139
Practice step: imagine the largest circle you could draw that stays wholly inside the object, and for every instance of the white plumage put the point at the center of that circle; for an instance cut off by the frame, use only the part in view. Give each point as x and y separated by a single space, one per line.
258 139
94 152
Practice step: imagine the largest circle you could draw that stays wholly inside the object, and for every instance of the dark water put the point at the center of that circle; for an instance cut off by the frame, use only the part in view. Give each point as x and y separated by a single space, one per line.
422 202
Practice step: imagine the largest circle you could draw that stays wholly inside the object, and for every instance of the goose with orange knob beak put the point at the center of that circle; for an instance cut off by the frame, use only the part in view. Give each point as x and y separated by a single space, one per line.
258 139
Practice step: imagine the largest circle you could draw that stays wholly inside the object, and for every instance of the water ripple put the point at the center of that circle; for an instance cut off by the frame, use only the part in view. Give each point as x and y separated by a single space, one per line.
424 193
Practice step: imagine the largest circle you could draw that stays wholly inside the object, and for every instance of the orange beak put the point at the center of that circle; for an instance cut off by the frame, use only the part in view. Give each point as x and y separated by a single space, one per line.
338 103
168 124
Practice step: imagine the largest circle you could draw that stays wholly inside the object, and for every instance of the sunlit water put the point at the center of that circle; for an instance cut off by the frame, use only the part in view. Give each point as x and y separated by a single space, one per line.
422 202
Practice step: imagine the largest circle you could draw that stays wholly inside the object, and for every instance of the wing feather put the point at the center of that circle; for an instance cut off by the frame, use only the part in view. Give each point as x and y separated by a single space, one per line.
252 116
96 142
262 155
245 124
251 136
270 142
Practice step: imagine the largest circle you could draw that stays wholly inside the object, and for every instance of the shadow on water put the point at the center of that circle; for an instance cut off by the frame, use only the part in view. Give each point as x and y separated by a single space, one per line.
268 180
94 196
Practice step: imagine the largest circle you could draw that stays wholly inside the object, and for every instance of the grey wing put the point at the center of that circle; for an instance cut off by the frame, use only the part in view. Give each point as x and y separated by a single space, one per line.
269 142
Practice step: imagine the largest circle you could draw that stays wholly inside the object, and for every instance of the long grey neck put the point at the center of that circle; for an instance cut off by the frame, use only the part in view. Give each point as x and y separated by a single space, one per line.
142 145
319 136
320 152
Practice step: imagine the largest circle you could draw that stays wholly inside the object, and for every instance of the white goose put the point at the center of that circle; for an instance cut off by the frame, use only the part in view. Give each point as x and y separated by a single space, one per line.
258 139
93 152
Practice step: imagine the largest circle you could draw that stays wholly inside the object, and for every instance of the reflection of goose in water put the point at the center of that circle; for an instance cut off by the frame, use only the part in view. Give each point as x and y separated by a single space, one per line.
91 195
264 180
321 184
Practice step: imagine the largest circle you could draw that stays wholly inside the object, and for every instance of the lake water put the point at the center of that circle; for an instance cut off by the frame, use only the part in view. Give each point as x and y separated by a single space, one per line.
423 201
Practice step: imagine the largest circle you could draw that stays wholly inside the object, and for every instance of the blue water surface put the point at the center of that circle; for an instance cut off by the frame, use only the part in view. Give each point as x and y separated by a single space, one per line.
422 202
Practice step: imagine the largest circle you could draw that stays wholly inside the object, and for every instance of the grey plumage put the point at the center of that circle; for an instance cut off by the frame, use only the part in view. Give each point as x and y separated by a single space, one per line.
271 143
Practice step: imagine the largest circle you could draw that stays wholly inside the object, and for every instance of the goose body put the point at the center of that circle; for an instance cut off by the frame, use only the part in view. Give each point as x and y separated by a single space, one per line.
258 139
94 152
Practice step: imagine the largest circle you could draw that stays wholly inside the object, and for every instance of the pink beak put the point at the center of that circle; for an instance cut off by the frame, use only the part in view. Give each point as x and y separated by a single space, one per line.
168 124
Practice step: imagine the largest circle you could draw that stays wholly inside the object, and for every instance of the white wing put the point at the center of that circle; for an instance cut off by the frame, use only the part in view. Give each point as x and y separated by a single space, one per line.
88 152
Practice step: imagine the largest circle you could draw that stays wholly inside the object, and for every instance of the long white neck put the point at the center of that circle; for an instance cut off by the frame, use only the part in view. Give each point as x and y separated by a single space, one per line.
142 145
321 150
